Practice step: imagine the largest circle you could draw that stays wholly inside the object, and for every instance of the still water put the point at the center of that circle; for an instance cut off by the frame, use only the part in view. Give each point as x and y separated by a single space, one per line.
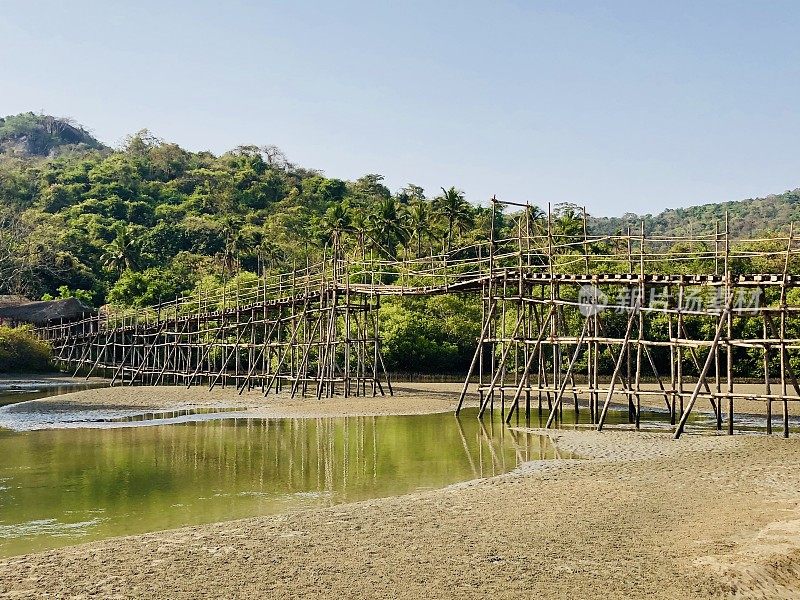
20 390
66 486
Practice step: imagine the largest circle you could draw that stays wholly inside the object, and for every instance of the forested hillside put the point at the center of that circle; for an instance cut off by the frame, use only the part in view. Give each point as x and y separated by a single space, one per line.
150 220
747 217
145 222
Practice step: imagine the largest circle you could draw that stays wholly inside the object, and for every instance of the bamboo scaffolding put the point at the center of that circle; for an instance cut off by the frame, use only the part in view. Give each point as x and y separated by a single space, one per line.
316 330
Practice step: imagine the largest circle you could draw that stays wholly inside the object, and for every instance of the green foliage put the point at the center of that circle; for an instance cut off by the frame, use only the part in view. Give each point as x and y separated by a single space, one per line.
21 351
114 223
154 285
430 335
85 296
139 225
747 218
454 208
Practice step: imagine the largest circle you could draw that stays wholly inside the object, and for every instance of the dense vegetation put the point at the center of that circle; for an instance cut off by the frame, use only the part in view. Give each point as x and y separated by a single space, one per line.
22 351
150 221
747 217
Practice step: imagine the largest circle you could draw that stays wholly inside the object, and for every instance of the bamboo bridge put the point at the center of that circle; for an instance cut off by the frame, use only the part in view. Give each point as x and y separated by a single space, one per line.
568 317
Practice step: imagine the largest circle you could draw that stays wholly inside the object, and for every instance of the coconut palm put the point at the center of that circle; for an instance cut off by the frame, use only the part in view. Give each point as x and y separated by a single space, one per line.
359 224
420 217
121 253
387 225
530 221
335 222
567 221
271 255
458 213
234 241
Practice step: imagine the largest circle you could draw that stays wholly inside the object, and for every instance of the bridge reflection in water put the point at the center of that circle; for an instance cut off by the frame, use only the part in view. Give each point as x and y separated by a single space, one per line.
65 486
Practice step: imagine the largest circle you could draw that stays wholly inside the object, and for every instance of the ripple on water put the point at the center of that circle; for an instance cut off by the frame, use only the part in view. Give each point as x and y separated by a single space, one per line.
50 527
32 416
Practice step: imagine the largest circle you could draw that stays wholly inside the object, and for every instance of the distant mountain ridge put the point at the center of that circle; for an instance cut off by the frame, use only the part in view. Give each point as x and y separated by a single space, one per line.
747 218
29 135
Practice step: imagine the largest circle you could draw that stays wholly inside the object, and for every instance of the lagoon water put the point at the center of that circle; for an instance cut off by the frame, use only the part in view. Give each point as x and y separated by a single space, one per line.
13 391
63 486
70 474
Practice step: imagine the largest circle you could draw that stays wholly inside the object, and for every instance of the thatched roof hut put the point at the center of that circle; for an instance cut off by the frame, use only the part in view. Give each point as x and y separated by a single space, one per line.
22 310
13 300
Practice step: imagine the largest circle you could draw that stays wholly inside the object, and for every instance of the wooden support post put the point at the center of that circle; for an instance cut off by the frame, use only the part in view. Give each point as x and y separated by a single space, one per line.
723 319
617 367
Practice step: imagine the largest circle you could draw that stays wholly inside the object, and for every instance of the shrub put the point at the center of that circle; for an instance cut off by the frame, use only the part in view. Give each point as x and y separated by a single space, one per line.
432 335
21 351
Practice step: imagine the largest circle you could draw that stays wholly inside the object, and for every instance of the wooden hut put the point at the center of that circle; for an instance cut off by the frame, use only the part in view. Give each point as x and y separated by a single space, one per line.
18 310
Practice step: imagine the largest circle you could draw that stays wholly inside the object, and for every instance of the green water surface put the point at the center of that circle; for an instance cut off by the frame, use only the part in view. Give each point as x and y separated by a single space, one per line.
66 486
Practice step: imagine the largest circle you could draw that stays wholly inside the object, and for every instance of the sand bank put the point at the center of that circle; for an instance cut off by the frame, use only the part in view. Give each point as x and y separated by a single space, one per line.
408 399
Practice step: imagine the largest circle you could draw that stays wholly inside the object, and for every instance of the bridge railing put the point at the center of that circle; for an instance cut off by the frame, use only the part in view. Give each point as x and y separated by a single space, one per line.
533 251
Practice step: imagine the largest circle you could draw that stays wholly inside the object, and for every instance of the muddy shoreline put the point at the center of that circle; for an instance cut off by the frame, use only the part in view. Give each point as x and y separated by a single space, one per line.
408 399
641 516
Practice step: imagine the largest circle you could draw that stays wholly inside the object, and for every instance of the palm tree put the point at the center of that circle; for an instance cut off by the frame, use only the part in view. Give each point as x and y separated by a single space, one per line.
120 253
359 223
271 255
456 210
335 222
530 222
537 218
387 225
567 221
420 221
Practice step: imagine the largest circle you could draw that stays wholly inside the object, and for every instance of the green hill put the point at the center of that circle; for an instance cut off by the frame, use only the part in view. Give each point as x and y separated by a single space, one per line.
747 217
150 220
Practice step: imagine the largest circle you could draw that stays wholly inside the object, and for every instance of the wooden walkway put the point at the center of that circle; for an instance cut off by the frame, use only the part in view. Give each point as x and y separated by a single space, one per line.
580 320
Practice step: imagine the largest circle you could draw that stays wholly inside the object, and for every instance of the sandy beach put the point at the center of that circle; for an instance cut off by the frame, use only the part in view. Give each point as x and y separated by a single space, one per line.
640 516
409 398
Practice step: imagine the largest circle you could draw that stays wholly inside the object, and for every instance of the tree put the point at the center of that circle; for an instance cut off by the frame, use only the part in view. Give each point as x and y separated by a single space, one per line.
122 252
22 351
360 222
567 221
231 227
458 213
387 225
64 292
410 194
370 188
29 253
335 222
420 218
270 255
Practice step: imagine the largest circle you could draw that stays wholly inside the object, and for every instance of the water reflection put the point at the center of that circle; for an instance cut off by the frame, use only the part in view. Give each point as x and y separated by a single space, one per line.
652 419
69 485
21 390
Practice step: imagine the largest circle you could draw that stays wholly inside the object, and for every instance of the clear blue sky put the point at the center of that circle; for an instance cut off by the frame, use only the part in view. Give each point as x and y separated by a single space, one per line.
622 106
